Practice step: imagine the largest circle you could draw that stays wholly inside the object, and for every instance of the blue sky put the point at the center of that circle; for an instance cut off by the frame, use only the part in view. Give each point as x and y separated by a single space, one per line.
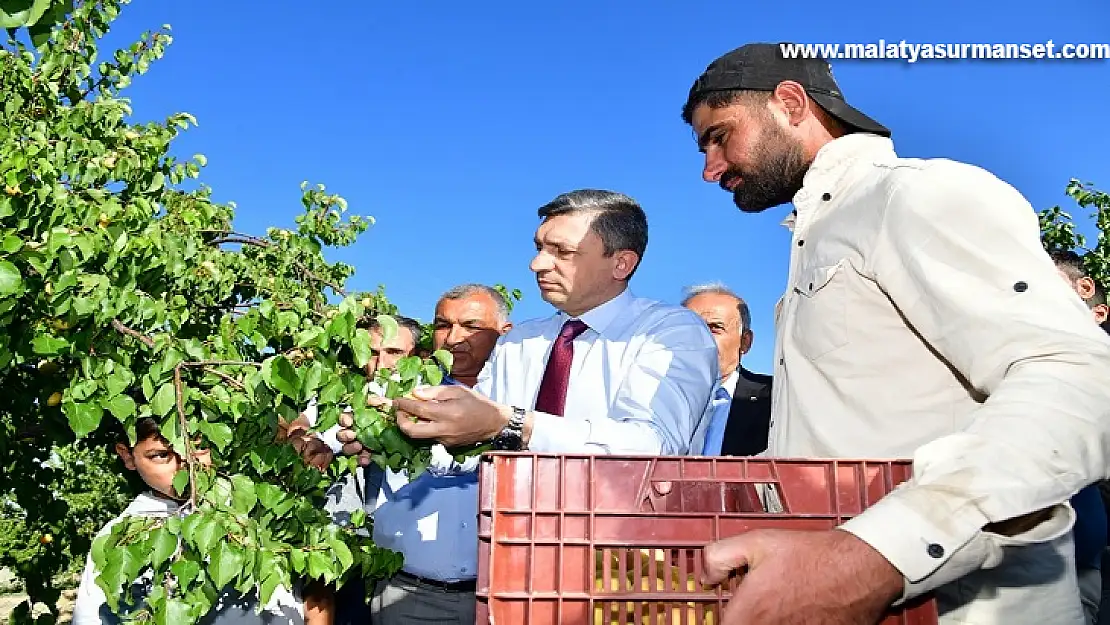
450 123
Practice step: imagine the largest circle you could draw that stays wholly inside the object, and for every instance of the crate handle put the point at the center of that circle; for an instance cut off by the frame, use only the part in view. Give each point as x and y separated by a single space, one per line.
712 495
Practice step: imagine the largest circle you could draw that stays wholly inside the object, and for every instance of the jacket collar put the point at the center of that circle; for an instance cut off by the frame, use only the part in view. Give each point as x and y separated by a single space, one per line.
831 167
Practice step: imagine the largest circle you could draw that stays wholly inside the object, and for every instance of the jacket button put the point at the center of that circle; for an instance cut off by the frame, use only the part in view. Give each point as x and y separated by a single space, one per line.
826 196
935 551
1020 287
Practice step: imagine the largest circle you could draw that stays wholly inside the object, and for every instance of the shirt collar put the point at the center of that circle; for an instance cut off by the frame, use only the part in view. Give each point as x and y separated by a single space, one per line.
599 319
730 382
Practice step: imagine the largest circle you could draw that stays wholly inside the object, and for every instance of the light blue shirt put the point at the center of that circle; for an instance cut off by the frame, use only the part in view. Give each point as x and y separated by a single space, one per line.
640 381
432 521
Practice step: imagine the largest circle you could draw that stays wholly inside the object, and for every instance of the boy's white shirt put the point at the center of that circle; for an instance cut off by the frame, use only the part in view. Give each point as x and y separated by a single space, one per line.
86 609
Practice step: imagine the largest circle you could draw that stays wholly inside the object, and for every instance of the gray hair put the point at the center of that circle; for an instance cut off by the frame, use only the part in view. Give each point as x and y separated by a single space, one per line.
717 288
466 290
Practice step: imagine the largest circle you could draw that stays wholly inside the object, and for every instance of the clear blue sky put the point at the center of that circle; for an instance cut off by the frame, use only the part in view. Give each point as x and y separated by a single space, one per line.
450 123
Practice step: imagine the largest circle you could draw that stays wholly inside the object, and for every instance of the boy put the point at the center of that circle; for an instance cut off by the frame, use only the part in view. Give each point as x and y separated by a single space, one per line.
156 463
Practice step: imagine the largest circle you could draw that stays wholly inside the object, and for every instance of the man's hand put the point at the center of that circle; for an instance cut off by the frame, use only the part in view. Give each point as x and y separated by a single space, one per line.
349 438
314 451
453 415
803 577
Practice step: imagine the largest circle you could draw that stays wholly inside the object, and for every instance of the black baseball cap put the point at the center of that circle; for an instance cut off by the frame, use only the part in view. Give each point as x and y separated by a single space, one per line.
762 66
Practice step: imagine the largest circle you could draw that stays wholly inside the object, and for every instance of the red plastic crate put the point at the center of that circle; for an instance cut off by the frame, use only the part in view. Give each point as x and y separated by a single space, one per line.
573 539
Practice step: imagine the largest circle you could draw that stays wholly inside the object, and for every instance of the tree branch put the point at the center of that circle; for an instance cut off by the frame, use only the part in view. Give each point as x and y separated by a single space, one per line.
184 423
122 329
226 378
246 239
237 237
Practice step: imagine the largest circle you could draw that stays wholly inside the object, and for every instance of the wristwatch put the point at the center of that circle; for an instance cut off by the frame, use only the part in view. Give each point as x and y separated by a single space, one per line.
511 437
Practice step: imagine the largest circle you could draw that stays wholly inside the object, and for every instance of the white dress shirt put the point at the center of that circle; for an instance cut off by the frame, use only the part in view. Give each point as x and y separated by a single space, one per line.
923 320
90 606
640 381
729 383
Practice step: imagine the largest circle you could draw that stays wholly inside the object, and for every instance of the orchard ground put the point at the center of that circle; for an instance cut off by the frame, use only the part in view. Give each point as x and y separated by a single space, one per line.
65 606
8 600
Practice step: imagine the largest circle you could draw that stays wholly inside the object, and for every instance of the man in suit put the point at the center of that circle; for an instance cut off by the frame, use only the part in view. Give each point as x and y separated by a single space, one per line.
739 423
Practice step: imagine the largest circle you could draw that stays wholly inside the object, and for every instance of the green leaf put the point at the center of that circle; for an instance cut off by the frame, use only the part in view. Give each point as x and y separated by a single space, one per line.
157 182
178 611
83 417
266 309
11 282
297 559
11 244
393 441
243 495
46 345
164 544
181 481
220 434
118 381
311 337
121 406
408 368
389 327
341 553
310 381
185 571
360 345
268 587
40 34
433 375
207 534
269 496
332 391
358 517
16 13
320 566
219 494
226 565
281 376
444 358
340 328
164 400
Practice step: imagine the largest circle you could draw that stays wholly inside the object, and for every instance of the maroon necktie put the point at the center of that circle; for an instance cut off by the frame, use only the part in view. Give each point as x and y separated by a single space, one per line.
552 397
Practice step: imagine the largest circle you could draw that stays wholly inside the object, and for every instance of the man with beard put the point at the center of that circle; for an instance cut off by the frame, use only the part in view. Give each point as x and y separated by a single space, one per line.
922 319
